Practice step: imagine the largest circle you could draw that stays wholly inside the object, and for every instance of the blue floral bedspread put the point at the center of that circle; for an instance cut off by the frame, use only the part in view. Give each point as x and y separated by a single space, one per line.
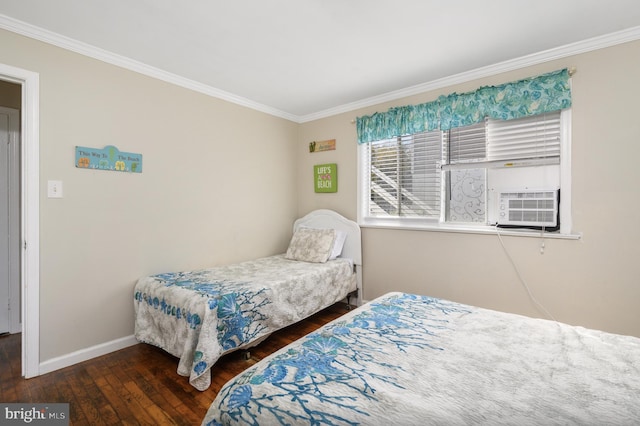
413 360
198 316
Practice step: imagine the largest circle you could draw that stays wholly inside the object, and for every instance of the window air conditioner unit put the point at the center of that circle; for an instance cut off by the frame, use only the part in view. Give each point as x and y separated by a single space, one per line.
534 209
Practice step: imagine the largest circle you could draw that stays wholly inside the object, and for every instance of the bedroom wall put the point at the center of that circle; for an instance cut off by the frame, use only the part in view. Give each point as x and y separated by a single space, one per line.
591 282
217 186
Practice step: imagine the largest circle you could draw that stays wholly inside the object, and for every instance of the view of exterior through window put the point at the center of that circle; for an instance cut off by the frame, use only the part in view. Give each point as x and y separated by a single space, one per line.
459 175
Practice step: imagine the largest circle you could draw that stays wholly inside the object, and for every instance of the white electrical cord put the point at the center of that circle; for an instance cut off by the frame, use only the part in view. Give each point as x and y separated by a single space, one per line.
524 283
542 245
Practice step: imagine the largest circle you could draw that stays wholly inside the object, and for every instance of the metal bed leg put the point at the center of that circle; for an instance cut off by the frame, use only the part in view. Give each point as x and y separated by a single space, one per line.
349 296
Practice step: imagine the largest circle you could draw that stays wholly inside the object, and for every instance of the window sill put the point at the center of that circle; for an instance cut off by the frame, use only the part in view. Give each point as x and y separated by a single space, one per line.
467 229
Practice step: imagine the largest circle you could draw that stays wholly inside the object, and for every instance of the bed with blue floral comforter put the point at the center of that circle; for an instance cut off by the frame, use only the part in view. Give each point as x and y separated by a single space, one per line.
198 316
413 360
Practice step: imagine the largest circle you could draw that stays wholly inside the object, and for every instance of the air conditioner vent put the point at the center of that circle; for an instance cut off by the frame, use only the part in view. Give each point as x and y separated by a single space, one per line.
529 209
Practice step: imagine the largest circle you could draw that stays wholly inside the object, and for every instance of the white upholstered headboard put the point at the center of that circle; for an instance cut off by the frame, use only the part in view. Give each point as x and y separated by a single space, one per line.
352 249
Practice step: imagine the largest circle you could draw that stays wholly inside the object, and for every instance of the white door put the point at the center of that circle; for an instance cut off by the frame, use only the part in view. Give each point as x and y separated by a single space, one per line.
4 223
9 229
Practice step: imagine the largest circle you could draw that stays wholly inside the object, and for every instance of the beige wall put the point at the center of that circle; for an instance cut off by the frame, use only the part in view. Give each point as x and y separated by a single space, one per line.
218 185
593 282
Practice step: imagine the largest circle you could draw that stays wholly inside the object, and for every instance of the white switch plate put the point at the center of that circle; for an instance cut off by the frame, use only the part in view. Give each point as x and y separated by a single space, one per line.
54 189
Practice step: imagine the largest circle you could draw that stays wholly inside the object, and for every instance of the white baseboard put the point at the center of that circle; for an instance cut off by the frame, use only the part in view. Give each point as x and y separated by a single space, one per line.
86 354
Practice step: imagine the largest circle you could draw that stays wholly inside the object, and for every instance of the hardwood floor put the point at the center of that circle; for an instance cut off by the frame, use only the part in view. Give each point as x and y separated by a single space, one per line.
136 385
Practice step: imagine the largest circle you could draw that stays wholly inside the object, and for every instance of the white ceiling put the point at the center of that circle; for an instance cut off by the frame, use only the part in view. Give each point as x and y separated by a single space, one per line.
302 59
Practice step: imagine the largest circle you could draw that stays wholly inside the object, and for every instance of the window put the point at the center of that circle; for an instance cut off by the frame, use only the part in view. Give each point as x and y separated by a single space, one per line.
455 177
405 177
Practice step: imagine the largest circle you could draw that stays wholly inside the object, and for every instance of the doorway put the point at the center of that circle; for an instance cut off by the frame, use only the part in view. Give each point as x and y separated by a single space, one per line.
28 212
10 101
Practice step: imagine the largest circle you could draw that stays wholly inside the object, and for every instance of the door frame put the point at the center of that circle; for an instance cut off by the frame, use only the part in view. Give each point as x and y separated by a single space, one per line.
29 213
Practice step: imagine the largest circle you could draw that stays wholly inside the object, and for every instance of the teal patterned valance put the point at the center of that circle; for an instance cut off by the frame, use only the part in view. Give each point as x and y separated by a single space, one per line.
531 96
398 121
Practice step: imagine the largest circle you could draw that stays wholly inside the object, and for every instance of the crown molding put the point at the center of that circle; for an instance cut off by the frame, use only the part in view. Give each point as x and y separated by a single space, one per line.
31 31
37 33
572 49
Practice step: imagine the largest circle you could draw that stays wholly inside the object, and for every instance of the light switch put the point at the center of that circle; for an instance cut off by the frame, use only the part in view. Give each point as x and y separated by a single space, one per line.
54 189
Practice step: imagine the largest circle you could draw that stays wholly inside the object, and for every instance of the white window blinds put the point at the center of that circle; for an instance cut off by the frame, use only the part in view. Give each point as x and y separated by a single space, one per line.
466 144
449 176
533 137
405 176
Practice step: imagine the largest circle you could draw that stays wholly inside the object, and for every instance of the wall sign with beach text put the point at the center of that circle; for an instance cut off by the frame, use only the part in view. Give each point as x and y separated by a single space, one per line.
325 177
108 158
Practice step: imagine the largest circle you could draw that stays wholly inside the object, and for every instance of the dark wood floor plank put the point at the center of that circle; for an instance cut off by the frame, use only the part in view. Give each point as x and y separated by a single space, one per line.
84 400
187 415
138 413
137 385
23 392
66 394
112 399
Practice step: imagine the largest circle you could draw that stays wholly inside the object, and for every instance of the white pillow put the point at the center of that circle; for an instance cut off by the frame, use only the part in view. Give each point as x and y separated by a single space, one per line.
311 245
341 237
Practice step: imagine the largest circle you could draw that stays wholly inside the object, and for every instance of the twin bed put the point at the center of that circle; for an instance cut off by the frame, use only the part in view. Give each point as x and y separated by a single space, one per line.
405 359
198 316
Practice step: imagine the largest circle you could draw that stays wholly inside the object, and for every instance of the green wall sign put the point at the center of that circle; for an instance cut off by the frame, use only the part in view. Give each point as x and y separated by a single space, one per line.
325 178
